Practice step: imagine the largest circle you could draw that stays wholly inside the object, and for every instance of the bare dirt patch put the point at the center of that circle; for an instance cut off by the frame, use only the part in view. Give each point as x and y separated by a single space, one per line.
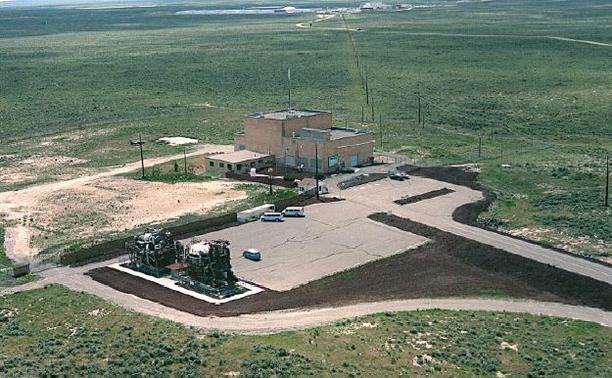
117 204
47 161
177 141
14 176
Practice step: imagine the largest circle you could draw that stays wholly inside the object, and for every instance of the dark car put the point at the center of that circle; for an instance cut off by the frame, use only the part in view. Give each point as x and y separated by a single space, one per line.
399 176
252 254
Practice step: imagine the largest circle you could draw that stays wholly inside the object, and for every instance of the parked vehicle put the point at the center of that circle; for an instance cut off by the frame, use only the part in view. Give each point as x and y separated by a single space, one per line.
272 217
252 254
309 184
294 211
399 176
254 213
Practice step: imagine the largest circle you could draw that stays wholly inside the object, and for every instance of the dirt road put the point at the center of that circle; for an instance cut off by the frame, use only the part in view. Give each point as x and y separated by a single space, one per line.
16 206
308 25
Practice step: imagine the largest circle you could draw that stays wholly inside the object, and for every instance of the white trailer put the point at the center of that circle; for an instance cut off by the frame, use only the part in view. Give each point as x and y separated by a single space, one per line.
254 213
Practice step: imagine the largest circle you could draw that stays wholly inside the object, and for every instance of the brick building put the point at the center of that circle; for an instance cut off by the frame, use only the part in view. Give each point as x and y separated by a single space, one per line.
238 161
292 136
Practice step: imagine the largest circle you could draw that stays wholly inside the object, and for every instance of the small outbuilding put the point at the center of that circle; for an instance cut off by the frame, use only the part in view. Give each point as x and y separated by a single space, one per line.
238 161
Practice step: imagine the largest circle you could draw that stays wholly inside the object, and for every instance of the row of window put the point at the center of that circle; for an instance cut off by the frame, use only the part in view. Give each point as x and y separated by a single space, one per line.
238 166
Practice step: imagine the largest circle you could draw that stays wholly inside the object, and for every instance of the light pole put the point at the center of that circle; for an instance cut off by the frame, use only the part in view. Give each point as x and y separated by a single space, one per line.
270 179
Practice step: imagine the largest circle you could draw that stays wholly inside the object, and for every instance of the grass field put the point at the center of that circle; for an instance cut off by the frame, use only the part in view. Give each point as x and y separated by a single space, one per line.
81 83
54 331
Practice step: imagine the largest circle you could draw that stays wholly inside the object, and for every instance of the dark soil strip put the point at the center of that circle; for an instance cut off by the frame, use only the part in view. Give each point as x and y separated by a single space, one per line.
424 196
361 179
543 277
448 266
468 213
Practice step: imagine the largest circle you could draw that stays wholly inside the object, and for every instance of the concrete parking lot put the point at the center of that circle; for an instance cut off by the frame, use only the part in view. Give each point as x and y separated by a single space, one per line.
332 237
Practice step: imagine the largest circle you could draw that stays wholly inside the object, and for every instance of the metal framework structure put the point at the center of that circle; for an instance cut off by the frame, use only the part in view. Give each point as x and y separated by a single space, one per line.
203 267
153 250
209 270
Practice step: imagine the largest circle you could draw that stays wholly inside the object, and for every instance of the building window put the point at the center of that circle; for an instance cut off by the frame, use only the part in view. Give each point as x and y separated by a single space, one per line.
241 147
221 165
229 166
239 167
211 163
253 164
332 160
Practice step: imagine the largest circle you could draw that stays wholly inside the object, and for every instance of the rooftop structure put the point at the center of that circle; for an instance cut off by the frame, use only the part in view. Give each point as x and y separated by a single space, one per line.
287 114
238 156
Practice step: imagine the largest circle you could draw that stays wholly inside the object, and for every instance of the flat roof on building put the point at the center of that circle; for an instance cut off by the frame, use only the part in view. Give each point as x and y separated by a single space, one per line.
339 133
282 115
238 156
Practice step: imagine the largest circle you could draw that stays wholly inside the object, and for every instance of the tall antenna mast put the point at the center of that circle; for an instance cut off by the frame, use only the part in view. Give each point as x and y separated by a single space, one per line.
289 78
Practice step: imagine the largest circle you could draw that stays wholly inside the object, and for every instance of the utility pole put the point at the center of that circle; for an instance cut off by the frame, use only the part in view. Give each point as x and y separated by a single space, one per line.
140 143
362 115
479 145
372 103
419 108
317 169
289 79
607 194
185 160
381 130
367 89
423 119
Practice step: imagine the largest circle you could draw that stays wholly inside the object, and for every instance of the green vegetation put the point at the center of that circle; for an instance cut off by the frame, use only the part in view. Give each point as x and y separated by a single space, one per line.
53 331
5 262
6 265
181 170
82 83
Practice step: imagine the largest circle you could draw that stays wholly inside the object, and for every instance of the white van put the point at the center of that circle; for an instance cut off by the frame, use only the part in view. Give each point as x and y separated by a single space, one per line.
294 211
272 217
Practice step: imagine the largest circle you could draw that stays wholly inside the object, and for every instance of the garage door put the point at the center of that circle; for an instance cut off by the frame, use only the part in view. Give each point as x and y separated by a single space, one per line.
290 161
354 160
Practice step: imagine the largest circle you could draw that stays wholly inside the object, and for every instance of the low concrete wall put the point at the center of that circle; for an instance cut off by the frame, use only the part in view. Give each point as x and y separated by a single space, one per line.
113 248
261 180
